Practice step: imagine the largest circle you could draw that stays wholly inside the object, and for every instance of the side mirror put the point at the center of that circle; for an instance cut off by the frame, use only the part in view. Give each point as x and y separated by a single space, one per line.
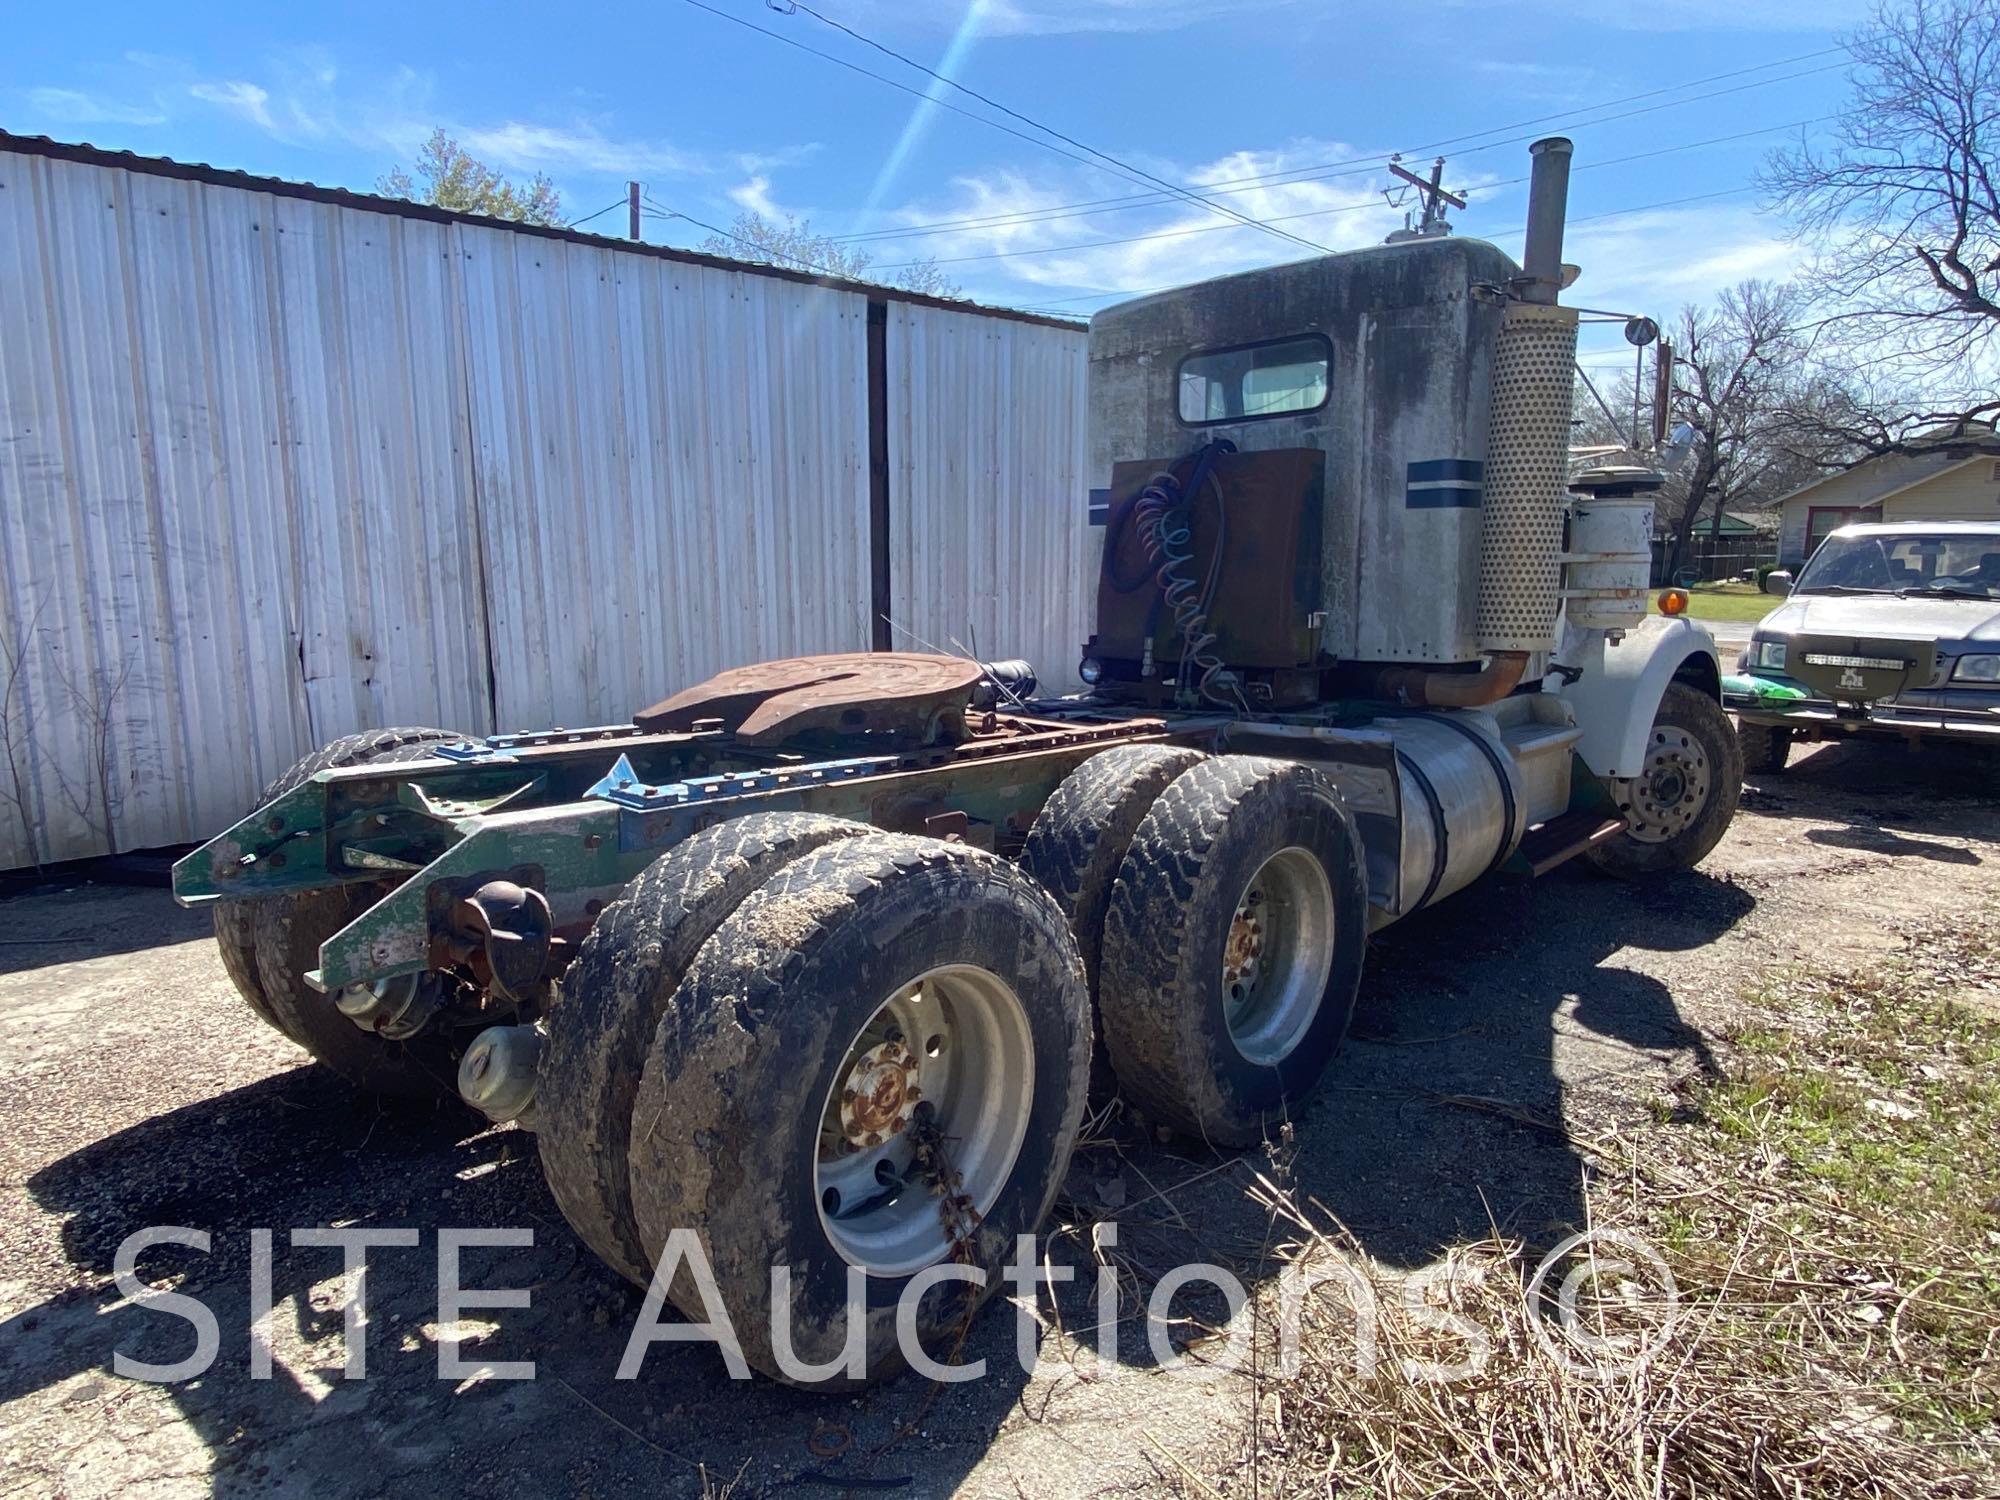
1778 582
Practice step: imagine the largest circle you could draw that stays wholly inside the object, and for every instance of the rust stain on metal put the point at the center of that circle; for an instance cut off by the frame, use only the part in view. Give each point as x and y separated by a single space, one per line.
907 694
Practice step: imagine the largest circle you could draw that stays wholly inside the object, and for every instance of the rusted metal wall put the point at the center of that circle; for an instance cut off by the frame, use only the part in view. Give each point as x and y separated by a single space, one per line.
990 542
274 470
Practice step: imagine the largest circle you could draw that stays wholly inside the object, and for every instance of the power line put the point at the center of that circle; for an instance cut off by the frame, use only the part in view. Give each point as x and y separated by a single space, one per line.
618 202
1314 213
1053 303
1059 135
1324 171
659 211
917 93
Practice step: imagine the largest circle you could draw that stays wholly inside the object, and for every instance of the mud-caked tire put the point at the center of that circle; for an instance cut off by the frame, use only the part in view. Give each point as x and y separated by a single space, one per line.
1079 840
1765 748
234 940
612 997
751 1073
1218 1060
1679 805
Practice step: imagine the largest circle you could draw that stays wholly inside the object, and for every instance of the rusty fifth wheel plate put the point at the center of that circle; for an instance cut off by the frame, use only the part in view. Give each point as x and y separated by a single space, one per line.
903 693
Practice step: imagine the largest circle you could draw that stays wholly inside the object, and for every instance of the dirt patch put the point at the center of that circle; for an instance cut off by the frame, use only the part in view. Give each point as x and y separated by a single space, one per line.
1492 1034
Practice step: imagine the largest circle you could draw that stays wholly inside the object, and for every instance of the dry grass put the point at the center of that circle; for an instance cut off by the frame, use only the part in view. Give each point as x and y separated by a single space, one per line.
1829 1212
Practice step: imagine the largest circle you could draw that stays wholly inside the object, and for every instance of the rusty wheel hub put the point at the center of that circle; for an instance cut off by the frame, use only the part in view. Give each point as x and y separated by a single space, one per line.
1243 952
880 1095
945 1064
1277 955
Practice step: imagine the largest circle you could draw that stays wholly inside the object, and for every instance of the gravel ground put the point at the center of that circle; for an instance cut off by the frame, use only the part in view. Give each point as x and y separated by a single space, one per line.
139 1091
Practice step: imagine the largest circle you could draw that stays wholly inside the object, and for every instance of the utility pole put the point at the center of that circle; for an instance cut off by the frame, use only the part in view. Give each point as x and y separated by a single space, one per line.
632 203
1430 223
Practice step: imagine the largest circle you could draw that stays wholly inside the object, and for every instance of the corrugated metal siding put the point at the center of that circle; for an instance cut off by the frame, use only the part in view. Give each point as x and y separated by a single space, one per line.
672 470
273 470
989 525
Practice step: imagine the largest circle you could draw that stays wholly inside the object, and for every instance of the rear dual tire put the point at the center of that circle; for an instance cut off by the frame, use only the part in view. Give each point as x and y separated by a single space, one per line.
770 1059
1233 947
623 979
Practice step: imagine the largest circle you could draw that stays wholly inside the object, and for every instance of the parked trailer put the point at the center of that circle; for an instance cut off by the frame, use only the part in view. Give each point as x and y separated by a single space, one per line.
815 959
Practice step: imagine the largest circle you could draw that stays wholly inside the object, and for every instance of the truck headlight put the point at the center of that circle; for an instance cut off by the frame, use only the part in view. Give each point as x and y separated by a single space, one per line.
1977 669
1768 656
1091 670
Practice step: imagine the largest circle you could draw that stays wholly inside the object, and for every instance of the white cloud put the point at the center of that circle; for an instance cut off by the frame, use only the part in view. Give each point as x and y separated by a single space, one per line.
754 197
245 100
1656 261
305 98
1164 241
579 147
71 107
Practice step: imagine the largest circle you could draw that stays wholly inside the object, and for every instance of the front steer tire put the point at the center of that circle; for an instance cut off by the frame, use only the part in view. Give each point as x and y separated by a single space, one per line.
625 974
729 1125
1690 722
1178 898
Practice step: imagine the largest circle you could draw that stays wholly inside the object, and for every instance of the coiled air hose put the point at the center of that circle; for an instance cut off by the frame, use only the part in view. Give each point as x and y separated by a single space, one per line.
1164 516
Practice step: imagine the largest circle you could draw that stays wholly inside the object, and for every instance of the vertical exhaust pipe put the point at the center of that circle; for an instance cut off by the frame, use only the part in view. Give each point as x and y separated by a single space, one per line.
1548 209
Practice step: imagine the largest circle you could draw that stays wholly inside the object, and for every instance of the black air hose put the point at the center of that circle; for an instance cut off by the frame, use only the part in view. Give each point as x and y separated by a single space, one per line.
1163 514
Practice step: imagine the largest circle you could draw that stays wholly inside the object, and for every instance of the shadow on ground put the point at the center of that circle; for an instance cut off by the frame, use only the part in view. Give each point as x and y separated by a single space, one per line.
60 923
1445 1118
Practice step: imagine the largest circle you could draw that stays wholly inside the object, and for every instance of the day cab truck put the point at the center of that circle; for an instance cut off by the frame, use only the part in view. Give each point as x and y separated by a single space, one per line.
813 959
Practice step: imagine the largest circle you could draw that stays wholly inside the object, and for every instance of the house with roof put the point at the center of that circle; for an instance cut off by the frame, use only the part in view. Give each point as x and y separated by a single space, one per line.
1956 480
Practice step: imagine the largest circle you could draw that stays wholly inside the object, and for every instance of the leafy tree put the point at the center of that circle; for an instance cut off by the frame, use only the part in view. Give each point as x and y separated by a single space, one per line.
1903 204
794 244
448 176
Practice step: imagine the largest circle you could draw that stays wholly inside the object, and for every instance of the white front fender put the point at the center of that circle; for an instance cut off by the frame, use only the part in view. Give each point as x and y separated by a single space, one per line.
1620 690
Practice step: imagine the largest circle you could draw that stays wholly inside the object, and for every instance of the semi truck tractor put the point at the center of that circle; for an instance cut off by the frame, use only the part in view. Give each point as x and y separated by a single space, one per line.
820 962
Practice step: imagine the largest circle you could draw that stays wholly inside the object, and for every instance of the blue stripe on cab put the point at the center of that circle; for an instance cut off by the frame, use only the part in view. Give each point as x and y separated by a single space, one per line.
1447 468
1445 484
1443 497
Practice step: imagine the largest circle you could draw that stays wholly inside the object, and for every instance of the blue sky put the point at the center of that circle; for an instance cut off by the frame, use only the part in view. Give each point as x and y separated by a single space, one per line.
714 117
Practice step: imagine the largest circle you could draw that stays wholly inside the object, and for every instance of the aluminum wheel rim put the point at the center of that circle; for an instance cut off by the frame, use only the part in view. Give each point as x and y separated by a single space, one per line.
1671 788
1277 956
954 1042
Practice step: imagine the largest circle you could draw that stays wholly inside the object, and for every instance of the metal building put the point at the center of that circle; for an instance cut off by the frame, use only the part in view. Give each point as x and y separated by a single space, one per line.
281 462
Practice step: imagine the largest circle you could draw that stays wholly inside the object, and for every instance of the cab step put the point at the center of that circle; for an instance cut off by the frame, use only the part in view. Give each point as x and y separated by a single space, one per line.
1563 838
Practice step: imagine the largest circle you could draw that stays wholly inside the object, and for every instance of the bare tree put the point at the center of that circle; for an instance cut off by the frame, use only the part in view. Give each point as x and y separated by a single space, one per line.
17 790
1733 367
449 176
94 792
1903 206
794 243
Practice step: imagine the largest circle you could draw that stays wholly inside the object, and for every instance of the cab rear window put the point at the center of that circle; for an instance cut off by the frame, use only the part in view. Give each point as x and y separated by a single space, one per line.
1275 379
